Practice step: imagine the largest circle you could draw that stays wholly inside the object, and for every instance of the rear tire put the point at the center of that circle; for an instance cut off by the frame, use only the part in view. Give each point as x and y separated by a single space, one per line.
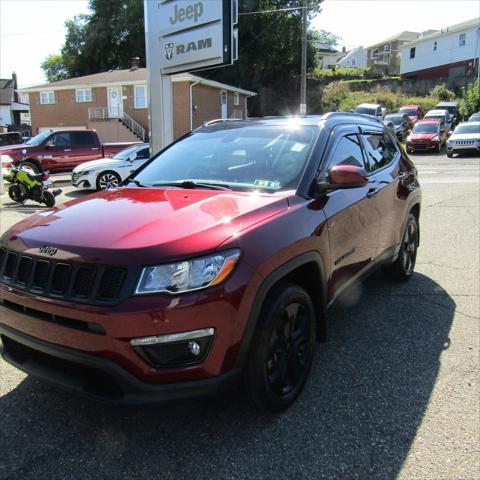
403 267
281 352
48 199
32 167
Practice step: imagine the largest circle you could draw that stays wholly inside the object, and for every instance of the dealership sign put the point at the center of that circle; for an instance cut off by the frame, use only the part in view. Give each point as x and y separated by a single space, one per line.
190 35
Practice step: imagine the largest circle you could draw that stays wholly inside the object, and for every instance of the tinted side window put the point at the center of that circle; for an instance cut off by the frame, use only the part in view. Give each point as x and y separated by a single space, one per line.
143 153
380 149
83 138
61 139
347 152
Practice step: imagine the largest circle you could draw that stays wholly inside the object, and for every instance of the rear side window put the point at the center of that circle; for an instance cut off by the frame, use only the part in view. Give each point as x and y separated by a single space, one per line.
380 150
83 138
347 152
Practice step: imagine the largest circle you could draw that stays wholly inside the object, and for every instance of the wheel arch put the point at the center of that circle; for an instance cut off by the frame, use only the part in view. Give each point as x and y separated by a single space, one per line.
306 270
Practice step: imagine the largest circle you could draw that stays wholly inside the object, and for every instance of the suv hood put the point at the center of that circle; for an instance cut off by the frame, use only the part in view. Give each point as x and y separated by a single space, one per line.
465 136
6 150
422 136
138 226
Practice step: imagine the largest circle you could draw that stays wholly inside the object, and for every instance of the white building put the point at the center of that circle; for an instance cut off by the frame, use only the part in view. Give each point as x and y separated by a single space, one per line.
452 52
355 58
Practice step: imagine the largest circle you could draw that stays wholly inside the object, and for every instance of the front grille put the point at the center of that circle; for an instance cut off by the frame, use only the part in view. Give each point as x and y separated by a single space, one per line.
67 280
464 142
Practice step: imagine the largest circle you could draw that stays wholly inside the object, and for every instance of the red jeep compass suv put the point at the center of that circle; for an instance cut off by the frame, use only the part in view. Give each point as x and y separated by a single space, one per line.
215 262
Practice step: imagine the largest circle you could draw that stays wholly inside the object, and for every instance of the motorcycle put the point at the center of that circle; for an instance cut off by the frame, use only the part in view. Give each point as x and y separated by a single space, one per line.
27 184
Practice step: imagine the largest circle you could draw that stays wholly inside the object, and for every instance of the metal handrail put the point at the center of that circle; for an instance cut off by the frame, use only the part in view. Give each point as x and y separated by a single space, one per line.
134 126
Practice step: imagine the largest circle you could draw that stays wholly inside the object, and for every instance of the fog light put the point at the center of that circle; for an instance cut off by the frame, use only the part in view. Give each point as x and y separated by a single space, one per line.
194 348
174 349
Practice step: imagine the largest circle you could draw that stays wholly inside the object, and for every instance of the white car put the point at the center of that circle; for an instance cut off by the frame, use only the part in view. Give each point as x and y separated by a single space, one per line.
372 110
464 139
443 115
110 172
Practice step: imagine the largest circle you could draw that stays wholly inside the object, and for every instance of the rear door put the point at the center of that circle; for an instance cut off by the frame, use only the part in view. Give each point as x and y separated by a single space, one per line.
85 147
387 174
353 219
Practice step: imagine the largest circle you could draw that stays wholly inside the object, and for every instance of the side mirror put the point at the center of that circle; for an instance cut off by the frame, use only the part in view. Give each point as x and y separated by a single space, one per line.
132 157
49 144
343 176
352 110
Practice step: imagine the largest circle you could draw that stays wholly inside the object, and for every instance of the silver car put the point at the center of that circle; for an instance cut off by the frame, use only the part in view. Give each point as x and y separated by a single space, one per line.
464 139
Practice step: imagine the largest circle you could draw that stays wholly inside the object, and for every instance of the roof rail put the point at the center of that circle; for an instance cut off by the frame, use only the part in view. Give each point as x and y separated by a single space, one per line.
219 120
351 114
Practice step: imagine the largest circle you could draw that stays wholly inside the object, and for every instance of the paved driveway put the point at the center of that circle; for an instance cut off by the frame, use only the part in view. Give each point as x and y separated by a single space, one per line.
393 394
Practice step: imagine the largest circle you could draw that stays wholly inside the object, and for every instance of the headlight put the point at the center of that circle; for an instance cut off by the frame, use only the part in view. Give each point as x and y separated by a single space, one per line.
85 172
435 138
188 275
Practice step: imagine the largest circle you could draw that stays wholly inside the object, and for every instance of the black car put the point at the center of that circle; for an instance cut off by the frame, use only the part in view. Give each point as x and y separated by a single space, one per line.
400 123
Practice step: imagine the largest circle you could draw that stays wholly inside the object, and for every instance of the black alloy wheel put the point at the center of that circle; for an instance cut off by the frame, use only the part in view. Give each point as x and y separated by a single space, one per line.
282 349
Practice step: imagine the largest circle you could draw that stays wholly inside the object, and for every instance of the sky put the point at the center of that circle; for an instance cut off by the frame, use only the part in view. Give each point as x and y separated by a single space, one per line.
32 29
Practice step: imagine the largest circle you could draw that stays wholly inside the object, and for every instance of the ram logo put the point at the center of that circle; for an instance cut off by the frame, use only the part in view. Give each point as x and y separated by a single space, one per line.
169 50
48 250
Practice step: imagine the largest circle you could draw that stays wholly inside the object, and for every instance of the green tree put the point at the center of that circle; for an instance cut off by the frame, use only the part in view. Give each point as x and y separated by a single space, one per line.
325 37
470 102
54 68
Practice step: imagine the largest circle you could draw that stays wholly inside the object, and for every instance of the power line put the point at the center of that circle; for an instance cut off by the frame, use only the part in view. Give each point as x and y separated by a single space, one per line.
275 10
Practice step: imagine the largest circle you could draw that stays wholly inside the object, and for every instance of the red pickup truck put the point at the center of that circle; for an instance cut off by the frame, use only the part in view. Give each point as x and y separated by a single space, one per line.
60 150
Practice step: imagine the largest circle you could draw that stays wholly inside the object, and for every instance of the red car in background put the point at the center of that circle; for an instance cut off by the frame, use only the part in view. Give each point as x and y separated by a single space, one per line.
413 111
427 135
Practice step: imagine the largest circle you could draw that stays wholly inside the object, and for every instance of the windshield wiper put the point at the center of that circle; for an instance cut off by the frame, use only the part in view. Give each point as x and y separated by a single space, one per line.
137 183
192 184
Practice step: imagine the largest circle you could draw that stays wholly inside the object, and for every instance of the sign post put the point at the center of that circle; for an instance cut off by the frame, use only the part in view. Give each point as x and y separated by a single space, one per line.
181 36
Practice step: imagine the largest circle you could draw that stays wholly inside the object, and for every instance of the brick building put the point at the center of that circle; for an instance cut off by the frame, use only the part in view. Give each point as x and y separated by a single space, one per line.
115 103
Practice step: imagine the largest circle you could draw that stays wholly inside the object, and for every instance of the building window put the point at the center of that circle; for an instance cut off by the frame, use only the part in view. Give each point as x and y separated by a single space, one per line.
83 95
412 52
386 48
462 39
353 62
47 98
140 96
435 45
236 98
23 97
375 53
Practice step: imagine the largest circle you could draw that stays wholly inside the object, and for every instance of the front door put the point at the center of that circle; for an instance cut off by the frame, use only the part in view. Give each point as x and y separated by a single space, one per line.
115 102
223 100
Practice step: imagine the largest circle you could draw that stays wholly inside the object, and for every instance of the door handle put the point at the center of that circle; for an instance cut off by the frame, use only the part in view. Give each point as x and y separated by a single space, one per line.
372 192
95 148
68 150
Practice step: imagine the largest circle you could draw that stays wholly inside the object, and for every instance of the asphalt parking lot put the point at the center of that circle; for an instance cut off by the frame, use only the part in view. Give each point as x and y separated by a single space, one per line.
394 393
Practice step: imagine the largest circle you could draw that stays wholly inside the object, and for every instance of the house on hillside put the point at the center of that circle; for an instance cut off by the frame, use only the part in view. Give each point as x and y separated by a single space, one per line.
451 52
14 113
328 55
115 103
384 56
355 58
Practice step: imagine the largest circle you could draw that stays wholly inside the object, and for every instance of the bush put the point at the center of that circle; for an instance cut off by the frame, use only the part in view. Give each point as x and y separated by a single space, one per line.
442 93
470 102
337 96
339 73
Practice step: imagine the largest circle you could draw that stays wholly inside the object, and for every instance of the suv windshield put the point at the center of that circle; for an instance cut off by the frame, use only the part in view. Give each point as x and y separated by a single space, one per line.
425 128
411 112
241 157
452 109
366 111
468 129
38 139
395 119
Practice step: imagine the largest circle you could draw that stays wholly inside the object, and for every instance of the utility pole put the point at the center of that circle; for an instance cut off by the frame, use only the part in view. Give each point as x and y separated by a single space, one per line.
303 81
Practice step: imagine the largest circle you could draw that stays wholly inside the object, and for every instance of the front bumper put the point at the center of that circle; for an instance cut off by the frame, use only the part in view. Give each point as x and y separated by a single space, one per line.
98 378
85 182
463 147
422 145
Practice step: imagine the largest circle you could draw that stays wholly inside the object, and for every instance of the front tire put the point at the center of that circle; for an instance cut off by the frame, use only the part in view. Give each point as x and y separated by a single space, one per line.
108 180
403 267
18 193
449 154
281 352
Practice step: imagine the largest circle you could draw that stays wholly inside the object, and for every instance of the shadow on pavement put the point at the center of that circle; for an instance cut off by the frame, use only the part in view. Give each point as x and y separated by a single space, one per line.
356 419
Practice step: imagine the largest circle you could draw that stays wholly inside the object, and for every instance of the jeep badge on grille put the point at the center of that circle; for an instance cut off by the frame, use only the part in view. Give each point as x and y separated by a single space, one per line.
48 250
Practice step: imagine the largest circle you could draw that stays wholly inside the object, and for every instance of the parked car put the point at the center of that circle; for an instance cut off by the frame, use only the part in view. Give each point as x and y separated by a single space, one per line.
401 124
110 172
415 112
372 110
10 138
464 139
60 151
474 117
216 261
452 108
442 115
427 134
